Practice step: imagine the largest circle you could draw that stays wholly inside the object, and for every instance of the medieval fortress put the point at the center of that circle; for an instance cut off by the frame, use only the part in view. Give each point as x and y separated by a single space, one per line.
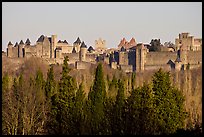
128 56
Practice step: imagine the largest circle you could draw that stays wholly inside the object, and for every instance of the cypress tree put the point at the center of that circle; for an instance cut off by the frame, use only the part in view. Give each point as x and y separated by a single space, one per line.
97 97
119 114
50 83
78 110
63 102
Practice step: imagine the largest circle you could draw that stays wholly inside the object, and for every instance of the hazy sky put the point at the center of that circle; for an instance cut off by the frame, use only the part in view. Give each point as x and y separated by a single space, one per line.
91 20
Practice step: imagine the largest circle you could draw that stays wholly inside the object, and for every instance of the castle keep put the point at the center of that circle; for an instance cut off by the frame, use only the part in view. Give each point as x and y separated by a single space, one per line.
129 56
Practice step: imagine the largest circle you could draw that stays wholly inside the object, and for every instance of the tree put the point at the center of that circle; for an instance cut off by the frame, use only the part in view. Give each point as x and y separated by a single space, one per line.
96 97
63 103
50 87
155 45
78 110
112 90
119 112
10 107
169 104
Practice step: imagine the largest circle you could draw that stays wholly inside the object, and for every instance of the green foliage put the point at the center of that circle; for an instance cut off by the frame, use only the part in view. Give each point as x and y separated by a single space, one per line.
97 97
153 109
169 104
119 114
63 103
5 83
39 81
78 111
50 87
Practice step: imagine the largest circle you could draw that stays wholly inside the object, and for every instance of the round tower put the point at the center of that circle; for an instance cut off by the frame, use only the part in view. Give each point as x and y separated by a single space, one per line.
183 55
9 49
77 44
83 51
20 49
53 45
122 56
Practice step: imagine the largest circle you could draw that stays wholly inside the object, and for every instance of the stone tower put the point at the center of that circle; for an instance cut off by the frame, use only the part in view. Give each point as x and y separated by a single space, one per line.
21 49
9 49
183 56
53 45
77 44
83 51
122 58
58 52
140 57
100 44
178 63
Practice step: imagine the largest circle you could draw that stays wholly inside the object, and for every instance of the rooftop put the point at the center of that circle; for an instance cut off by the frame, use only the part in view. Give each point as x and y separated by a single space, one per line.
83 45
78 41
41 39
21 42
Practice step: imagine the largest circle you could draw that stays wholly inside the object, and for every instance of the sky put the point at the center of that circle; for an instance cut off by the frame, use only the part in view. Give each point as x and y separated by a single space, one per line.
90 21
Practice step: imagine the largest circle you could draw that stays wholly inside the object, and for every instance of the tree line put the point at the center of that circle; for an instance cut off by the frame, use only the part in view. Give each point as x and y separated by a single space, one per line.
47 106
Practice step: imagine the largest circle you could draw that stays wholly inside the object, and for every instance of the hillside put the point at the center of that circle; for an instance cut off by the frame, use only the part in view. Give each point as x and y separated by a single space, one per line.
189 81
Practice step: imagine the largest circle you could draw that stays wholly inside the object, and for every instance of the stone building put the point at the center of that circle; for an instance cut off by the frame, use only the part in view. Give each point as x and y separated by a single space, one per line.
100 46
191 43
124 43
129 57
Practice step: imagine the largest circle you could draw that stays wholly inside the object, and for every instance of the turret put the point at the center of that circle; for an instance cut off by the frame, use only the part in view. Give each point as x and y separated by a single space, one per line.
183 54
77 44
20 49
9 49
122 59
58 52
53 45
27 42
83 51
140 57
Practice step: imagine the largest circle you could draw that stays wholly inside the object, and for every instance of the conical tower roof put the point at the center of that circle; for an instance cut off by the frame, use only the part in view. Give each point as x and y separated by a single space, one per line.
65 41
16 44
78 41
83 45
90 49
41 39
21 42
27 42
10 43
